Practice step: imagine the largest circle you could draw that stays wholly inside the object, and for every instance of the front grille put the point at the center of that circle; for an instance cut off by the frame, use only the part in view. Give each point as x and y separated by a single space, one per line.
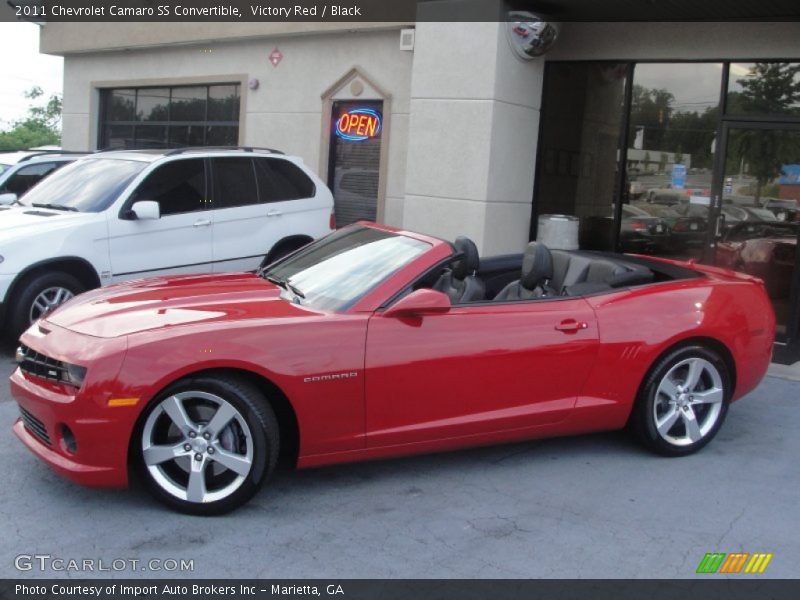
37 364
35 426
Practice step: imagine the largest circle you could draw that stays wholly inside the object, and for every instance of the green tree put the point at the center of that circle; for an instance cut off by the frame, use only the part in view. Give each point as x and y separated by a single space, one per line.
41 126
769 88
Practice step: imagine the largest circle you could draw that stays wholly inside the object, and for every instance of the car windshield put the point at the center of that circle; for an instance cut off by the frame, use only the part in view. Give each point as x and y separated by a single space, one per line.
3 167
89 185
339 269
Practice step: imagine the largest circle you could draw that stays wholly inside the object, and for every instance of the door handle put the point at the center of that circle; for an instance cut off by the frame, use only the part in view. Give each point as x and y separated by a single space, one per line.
571 326
274 213
202 223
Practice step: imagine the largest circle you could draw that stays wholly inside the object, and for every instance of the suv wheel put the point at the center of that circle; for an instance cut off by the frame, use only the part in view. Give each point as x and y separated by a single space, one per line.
37 295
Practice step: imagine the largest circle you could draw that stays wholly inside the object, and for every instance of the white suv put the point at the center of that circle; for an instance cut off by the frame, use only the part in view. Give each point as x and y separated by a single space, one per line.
122 215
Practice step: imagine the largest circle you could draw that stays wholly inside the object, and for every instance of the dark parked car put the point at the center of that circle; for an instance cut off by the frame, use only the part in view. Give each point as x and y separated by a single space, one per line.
764 249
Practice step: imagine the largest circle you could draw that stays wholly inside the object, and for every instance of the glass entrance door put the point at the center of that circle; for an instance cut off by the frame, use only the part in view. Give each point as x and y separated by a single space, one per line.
758 218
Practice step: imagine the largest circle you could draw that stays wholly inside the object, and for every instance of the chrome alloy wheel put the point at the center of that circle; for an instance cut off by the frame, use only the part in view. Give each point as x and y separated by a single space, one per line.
48 300
197 446
688 401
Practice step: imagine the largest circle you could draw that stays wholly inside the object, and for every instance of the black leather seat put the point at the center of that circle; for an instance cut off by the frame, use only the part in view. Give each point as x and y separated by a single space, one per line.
534 281
459 282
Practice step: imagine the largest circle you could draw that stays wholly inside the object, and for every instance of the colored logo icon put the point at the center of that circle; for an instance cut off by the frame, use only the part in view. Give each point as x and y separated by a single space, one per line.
734 563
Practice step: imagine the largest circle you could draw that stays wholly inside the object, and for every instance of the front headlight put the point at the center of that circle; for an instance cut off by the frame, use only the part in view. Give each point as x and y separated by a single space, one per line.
74 374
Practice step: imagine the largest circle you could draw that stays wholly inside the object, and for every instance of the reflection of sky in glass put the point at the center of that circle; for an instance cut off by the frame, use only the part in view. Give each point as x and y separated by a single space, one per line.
695 85
337 280
88 185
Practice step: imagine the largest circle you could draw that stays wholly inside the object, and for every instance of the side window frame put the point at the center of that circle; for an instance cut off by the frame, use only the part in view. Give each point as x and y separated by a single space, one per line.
269 161
125 210
211 186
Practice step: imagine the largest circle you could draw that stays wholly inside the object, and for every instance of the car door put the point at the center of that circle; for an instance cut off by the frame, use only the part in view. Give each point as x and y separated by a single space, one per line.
476 369
180 241
240 217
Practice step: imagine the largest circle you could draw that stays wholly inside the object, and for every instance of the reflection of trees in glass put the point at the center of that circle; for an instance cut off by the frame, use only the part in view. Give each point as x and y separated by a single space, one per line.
769 88
666 130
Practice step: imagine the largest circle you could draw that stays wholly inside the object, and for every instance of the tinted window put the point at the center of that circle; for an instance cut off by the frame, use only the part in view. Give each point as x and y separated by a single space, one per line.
234 182
88 185
27 177
178 187
279 179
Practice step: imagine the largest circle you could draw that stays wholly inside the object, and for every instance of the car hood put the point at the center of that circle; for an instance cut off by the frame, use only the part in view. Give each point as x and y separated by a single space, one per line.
25 220
168 302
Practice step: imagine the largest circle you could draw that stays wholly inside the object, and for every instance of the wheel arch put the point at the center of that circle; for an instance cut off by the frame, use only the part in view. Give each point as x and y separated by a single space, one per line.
708 342
288 424
290 241
78 267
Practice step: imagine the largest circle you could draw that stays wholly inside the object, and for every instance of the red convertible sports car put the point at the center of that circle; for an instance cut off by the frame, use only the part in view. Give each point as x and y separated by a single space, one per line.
374 342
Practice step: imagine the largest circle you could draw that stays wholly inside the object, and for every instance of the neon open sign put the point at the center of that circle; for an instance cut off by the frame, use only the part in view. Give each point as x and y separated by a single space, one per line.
359 124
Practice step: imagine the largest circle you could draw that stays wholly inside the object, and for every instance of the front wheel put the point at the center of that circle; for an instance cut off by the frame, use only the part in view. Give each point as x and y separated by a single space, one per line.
38 295
207 444
683 402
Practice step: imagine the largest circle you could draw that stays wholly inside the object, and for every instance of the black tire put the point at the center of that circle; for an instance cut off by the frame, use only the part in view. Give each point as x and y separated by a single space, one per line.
29 289
255 411
651 402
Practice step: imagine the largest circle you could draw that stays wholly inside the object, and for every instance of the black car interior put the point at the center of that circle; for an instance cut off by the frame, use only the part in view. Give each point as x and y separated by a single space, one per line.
459 281
540 273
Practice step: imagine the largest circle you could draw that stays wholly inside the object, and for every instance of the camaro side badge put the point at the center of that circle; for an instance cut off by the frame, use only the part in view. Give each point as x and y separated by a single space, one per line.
333 377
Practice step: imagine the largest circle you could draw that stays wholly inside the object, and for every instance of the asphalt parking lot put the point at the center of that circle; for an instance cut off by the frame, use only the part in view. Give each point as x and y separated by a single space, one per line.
595 506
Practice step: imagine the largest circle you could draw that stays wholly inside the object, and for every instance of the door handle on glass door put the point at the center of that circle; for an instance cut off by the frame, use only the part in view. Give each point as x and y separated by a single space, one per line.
571 326
202 223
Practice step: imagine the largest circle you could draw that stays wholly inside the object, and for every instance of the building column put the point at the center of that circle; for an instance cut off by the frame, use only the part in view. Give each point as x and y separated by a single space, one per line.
474 122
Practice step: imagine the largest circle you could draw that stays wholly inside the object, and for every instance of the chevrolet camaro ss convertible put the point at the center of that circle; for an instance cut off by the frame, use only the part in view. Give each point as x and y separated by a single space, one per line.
375 342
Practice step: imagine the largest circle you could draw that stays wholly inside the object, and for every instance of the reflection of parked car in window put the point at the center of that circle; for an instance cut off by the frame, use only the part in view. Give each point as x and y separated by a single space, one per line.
765 250
665 196
30 170
783 209
642 232
686 230
121 215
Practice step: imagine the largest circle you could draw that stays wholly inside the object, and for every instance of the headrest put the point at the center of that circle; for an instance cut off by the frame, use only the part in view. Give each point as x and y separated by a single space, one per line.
537 265
469 261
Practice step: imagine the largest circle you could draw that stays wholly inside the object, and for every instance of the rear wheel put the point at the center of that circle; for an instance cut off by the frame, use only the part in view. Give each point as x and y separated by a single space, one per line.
207 444
683 402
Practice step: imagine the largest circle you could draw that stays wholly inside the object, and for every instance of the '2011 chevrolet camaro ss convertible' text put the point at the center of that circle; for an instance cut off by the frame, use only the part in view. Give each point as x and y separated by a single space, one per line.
374 342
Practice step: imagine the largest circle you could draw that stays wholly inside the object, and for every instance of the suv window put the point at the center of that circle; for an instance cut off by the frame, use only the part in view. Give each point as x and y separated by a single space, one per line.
27 177
234 182
68 185
178 187
280 180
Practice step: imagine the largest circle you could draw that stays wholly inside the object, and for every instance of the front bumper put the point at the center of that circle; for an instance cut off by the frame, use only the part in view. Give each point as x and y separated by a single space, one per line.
75 431
100 459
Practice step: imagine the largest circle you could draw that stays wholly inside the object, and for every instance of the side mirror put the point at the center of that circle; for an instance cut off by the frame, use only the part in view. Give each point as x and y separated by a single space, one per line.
6 199
421 302
145 209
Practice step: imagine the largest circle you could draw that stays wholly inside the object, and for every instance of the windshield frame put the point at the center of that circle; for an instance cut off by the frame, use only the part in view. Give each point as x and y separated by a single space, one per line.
370 298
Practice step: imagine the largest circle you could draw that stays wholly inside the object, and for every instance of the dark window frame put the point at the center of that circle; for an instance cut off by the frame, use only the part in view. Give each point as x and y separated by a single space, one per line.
790 349
105 122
